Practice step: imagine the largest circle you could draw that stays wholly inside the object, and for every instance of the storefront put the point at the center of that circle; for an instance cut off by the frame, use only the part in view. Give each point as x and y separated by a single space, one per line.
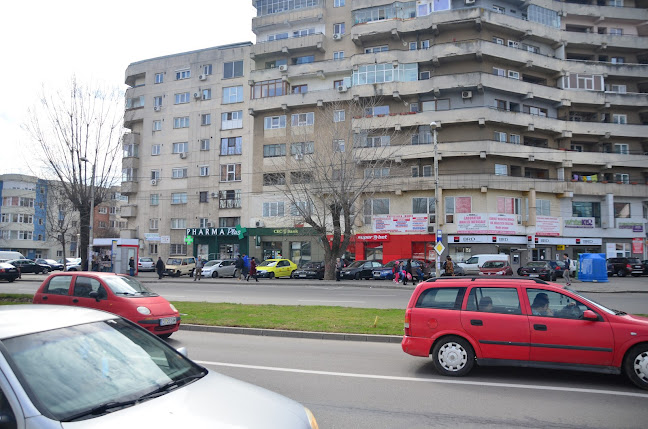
462 247
387 247
218 243
297 244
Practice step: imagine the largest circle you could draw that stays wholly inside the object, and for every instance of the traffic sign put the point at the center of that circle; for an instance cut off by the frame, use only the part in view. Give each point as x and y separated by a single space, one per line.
439 248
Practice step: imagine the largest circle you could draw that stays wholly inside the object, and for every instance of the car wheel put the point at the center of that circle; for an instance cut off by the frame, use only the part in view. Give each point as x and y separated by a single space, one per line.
621 272
292 275
192 272
453 356
215 275
45 271
357 276
11 279
635 365
164 336
271 275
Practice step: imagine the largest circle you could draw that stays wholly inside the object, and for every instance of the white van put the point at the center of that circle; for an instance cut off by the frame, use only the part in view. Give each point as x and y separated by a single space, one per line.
474 263
6 255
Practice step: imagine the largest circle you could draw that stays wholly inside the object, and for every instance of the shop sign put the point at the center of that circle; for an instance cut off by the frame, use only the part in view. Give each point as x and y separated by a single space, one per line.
548 225
486 223
400 223
152 236
634 226
637 245
213 232
580 222
165 239
477 239
372 237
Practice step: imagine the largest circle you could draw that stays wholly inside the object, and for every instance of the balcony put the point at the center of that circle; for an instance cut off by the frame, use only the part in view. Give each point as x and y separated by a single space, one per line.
130 162
290 46
634 15
291 19
129 211
130 139
129 188
133 117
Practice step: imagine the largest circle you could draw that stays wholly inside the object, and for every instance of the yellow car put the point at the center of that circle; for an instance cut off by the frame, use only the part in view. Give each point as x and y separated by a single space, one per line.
272 268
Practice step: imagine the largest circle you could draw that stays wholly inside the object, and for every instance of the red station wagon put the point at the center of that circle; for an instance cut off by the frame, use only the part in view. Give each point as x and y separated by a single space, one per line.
521 322
115 293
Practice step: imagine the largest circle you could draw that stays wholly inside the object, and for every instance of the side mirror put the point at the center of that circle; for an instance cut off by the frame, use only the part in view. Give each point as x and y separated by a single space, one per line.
590 315
94 294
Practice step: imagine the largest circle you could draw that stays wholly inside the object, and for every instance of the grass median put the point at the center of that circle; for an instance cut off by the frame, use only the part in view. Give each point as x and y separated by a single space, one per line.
289 317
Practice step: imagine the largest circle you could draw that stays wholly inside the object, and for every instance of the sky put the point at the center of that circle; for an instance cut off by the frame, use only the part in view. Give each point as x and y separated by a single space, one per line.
47 42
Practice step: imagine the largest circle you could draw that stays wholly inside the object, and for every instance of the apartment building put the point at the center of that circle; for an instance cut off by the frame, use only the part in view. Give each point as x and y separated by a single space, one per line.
541 113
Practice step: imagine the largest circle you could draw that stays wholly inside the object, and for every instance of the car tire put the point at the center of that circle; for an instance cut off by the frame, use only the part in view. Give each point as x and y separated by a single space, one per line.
191 273
271 275
11 280
357 276
621 272
165 336
46 271
635 365
215 275
453 356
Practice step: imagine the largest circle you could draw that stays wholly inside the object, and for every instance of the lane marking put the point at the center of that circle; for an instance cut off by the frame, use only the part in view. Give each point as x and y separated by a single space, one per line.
429 380
321 300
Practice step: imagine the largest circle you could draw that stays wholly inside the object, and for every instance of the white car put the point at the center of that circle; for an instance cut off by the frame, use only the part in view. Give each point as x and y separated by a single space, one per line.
145 264
73 264
219 268
72 367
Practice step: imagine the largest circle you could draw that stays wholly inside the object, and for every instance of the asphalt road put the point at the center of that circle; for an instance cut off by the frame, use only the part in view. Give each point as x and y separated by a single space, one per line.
376 385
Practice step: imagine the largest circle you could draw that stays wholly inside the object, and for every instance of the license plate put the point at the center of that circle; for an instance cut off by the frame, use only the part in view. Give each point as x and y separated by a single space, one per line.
302 275
534 275
167 321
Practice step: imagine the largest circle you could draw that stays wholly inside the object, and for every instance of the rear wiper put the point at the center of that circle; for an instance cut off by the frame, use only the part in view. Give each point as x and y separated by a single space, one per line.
170 385
101 409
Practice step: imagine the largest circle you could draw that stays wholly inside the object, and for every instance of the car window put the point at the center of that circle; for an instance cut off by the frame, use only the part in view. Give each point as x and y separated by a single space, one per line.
59 285
283 264
472 260
446 298
554 304
84 285
8 419
494 300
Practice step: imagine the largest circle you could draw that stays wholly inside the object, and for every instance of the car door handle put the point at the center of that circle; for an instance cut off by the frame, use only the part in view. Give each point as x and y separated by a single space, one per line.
538 327
475 322
44 298
75 300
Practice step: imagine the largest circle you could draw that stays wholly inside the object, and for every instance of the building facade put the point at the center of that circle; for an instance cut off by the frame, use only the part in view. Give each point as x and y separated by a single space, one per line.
540 106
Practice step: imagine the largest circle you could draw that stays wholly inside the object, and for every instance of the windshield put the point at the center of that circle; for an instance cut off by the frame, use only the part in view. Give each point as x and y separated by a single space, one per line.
356 264
210 263
122 285
80 372
268 263
174 261
311 265
494 264
537 264
602 307
146 259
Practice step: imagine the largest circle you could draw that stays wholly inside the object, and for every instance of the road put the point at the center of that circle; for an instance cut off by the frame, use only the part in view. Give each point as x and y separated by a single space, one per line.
351 384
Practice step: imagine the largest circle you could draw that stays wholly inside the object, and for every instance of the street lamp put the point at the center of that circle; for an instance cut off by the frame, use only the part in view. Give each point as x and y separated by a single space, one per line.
433 126
90 227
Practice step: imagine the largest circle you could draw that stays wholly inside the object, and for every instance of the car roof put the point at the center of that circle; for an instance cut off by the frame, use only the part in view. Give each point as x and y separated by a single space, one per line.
100 274
491 282
16 320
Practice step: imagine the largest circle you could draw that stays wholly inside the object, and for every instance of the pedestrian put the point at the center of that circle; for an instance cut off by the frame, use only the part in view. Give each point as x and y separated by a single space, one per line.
252 272
239 267
566 269
198 270
131 266
339 264
449 267
246 265
407 274
159 267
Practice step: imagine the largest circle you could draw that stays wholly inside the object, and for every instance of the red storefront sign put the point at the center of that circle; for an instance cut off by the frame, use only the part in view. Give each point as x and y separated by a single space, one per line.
372 237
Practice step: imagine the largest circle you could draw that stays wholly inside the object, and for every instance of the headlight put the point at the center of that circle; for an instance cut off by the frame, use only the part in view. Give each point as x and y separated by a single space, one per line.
501 273
173 307
311 419
143 310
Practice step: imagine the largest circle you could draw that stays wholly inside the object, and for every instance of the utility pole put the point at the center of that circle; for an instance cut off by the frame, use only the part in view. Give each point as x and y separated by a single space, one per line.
433 126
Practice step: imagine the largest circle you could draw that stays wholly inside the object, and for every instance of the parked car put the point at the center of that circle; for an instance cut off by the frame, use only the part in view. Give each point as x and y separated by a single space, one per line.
112 292
29 266
51 263
275 268
496 268
76 367
521 322
360 270
8 272
458 271
219 268
384 272
539 269
624 266
310 270
645 266
145 264
72 264
472 265
180 266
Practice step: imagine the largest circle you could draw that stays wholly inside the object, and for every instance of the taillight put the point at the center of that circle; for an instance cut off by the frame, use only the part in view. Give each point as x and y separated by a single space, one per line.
628 266
408 314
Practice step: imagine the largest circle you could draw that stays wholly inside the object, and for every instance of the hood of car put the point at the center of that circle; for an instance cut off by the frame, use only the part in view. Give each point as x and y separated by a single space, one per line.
215 401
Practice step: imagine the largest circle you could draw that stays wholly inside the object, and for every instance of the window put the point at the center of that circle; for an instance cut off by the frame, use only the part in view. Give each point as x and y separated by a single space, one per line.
514 138
205 119
622 210
307 59
278 36
622 178
203 222
621 148
499 72
270 88
339 116
338 28
157 126
300 89
339 55
177 249
546 303
538 111
425 75
587 209
436 105
301 177
204 144
373 141
376 49
183 74
232 94
230 172
501 170
128 175
207 69
621 89
135 102
202 196
230 199
157 101
303 32
273 150
499 9
456 205
425 44
413 46
203 170
178 223
500 137
181 147
159 77
617 60
543 207
179 198
302 119
512 74
377 110
301 208
155 199
206 94
338 3
182 97
179 173
181 122
302 148
448 298
232 69
273 209
385 72
338 145
376 172
274 122
494 300
425 206
130 150
228 222
375 206
231 146
270 179
498 40
232 120
619 119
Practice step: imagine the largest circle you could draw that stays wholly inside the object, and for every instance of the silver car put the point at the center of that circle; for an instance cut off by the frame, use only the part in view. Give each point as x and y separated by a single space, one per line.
219 268
64 367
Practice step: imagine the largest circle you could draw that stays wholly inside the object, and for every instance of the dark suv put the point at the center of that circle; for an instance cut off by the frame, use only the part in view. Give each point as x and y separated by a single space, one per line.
624 266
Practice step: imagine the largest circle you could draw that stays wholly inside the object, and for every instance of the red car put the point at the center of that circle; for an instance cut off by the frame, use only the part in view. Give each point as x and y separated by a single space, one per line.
521 322
115 293
496 268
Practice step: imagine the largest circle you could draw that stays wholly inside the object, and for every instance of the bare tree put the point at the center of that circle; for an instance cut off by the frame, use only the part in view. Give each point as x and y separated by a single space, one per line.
78 132
328 178
61 220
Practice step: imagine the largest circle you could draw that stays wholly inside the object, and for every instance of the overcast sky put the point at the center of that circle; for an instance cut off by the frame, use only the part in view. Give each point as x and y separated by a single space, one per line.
45 42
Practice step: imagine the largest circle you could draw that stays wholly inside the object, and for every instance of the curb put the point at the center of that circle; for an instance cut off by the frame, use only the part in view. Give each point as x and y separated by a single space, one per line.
293 334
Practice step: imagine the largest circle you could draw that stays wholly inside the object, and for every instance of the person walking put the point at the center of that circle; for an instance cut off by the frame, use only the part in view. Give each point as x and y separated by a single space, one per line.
449 267
338 268
198 270
407 274
159 267
566 273
239 267
246 266
131 266
252 272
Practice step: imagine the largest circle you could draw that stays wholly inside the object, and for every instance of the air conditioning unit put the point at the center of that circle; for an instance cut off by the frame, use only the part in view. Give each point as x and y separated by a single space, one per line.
283 68
337 36
259 224
183 155
431 229
154 182
342 88
157 108
214 194
466 94
470 1
202 77
197 95
299 156
209 224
